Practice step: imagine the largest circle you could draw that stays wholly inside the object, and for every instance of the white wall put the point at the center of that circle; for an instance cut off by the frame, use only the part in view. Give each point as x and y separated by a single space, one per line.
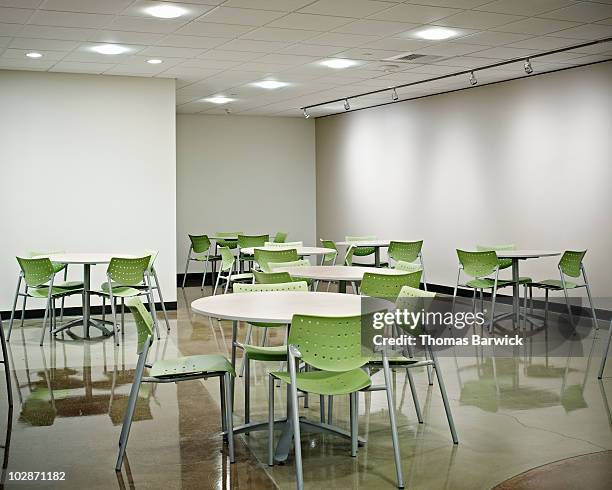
87 163
526 162
242 173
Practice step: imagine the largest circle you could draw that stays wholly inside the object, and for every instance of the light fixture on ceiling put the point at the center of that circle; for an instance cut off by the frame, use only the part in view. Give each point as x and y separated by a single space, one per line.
306 115
109 49
436 33
347 106
528 67
154 62
270 84
166 11
34 54
394 95
338 63
473 80
219 99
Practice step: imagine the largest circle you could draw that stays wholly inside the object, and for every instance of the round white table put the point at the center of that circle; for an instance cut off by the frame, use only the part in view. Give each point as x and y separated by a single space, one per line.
301 251
342 274
277 307
375 244
87 260
515 256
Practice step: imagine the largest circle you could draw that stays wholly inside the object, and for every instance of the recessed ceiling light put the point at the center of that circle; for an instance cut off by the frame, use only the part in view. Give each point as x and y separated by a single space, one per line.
166 11
109 49
219 99
436 33
338 63
154 62
34 55
270 84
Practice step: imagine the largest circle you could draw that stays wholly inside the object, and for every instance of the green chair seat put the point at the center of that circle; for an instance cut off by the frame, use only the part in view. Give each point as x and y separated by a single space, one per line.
263 353
393 361
485 283
328 382
121 291
554 284
68 284
43 292
185 366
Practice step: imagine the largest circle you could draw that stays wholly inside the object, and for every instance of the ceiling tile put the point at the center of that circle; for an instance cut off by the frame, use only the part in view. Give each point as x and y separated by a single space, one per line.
543 43
210 64
18 64
344 40
460 4
504 53
15 16
69 19
312 50
219 54
450 49
46 32
536 26
490 38
397 44
171 52
210 29
366 53
524 7
415 13
280 5
255 46
85 54
286 59
467 61
587 32
9 29
191 11
310 22
246 17
21 54
88 6
24 4
190 41
375 27
48 44
4 41
141 24
277 34
582 12
77 67
127 37
350 8
477 20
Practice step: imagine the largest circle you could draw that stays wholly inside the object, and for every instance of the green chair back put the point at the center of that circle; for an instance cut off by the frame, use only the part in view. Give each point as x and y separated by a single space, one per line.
265 257
503 263
413 299
153 254
348 258
232 242
388 286
36 272
280 237
281 286
227 259
143 319
478 264
571 262
271 277
328 343
199 243
128 272
361 251
328 259
408 266
246 241
57 266
405 251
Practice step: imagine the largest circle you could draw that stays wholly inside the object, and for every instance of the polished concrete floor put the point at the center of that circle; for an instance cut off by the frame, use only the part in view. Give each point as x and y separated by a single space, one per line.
512 414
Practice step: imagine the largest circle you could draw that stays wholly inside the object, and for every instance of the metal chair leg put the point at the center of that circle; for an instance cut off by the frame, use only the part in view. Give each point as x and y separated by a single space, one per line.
394 437
161 299
353 423
223 407
10 329
417 406
247 388
295 417
588 289
604 355
186 268
322 408
270 420
447 408
330 409
44 325
113 303
229 410
247 340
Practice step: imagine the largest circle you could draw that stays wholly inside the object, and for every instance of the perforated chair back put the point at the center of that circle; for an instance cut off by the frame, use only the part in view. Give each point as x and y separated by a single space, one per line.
153 254
265 257
503 263
57 266
478 264
281 286
128 271
199 243
280 237
143 319
571 262
271 277
328 343
292 263
361 251
227 259
232 238
413 299
408 266
246 241
388 286
405 251
330 258
36 272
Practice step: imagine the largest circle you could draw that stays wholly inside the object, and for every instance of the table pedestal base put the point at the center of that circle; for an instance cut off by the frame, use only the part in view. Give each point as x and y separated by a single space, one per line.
99 324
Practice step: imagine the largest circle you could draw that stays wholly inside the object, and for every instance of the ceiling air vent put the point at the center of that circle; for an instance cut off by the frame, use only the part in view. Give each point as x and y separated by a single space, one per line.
414 58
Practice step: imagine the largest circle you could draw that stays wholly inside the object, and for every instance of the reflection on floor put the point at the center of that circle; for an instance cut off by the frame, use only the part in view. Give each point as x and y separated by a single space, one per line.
512 414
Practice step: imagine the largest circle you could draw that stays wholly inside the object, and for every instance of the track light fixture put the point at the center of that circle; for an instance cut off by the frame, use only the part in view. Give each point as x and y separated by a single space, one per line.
347 106
306 115
394 95
473 80
528 67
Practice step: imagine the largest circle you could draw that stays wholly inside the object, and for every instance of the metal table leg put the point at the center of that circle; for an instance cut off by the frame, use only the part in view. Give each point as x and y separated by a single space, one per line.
515 293
86 299
342 286
377 256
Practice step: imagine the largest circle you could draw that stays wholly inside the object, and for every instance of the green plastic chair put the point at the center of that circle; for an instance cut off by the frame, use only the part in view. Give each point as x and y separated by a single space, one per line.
479 265
348 257
330 258
387 286
248 241
38 276
230 242
155 285
125 278
271 277
570 266
280 237
227 265
262 352
199 251
332 346
174 371
7 369
408 252
293 263
361 251
264 257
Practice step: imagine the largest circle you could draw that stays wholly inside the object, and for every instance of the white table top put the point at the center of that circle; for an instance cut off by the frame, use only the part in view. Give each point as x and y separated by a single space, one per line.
366 243
301 251
334 272
276 307
525 254
85 257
